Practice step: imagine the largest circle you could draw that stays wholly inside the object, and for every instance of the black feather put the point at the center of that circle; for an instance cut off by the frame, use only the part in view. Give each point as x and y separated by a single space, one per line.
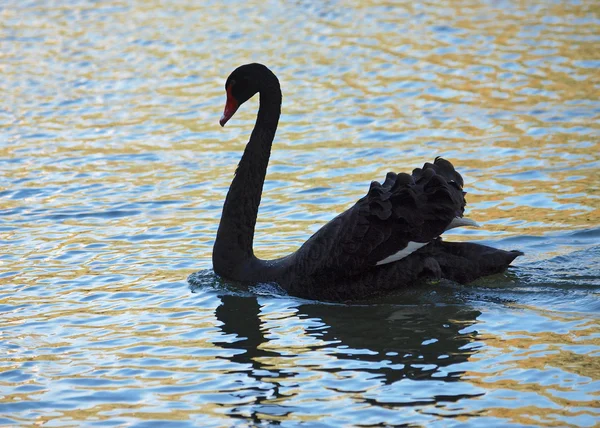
404 208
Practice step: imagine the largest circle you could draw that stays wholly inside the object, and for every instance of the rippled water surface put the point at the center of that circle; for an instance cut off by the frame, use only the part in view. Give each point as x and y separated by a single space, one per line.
113 170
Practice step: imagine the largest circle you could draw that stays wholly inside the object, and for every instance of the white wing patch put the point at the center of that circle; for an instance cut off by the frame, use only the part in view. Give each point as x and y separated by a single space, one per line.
461 222
409 249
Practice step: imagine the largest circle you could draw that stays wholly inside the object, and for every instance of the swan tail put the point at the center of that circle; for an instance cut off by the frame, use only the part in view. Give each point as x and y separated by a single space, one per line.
465 262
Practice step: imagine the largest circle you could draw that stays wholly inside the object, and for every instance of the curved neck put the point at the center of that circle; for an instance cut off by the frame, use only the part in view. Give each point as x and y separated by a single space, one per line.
232 252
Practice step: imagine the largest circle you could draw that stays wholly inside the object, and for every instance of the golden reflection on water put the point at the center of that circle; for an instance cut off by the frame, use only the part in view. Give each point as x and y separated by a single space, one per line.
533 353
114 170
517 68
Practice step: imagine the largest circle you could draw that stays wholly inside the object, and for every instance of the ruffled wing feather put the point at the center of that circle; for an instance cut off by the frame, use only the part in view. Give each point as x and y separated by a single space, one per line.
403 209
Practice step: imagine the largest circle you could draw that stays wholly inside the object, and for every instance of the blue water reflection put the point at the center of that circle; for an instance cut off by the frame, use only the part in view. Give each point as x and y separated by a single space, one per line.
113 171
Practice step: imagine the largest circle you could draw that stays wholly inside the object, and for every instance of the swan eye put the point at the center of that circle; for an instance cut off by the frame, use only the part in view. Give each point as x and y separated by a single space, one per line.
229 84
241 84
240 89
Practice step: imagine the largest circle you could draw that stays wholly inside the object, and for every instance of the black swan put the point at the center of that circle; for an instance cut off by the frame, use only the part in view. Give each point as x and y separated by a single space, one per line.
389 239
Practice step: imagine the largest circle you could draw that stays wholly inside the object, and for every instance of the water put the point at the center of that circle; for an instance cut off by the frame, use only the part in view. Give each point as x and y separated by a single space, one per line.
114 169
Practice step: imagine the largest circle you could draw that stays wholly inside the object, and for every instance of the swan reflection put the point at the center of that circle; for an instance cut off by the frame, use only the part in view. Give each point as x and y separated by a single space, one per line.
280 343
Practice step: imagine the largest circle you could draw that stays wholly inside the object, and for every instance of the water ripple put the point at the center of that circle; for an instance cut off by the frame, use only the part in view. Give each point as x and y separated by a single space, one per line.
114 170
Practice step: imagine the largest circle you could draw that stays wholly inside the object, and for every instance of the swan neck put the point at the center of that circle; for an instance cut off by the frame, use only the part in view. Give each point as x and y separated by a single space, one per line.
233 256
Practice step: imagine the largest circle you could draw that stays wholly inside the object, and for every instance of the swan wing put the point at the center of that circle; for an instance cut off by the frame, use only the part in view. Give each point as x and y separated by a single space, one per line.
394 219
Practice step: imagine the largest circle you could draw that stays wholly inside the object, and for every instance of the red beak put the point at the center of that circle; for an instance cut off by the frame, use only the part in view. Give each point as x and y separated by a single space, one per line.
231 107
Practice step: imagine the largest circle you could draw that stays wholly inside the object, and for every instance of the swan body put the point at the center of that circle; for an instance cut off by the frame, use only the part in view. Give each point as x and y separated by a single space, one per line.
388 240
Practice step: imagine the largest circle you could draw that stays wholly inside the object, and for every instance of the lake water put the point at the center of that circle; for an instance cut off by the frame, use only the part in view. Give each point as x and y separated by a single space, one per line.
113 171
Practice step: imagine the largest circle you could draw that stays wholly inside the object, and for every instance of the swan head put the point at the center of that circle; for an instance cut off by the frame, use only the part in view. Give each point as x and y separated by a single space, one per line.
241 85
